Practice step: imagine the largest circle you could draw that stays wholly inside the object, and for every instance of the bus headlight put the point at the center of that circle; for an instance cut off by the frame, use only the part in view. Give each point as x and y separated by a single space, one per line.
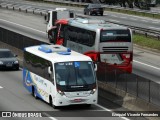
93 91
16 62
60 92
1 63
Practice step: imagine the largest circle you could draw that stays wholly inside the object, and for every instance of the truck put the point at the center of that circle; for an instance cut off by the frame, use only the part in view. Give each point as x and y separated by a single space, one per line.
53 15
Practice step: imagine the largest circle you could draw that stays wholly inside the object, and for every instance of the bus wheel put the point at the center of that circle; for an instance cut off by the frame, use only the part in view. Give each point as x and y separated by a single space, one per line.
34 92
51 102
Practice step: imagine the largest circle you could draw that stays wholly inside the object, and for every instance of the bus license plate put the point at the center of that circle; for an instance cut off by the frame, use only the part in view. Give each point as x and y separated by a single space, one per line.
77 100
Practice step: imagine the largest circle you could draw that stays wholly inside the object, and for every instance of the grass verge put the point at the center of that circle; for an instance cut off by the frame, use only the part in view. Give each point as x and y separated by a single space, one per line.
148 42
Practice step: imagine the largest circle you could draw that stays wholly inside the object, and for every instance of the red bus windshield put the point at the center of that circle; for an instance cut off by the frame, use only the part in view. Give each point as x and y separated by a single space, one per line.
115 36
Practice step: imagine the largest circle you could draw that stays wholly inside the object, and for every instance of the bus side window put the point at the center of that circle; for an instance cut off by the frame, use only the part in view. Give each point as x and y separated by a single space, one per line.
91 38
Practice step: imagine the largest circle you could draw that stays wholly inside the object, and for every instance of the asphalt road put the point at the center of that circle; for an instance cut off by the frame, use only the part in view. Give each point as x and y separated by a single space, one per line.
145 64
15 98
119 18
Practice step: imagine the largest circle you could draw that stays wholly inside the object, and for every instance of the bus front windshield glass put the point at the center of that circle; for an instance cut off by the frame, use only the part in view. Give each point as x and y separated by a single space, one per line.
115 36
74 74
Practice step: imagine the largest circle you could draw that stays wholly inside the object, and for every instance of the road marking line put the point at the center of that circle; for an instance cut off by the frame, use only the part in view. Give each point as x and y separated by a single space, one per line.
144 20
123 17
154 28
133 19
114 16
52 118
110 111
103 108
147 65
22 26
1 87
113 20
155 22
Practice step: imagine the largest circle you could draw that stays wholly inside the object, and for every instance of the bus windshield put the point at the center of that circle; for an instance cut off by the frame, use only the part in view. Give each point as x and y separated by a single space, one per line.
74 75
115 36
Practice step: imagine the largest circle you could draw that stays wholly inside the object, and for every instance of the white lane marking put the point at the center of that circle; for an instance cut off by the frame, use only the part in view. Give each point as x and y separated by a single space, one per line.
147 65
22 26
112 20
114 16
154 28
144 20
133 19
103 108
52 118
1 87
155 22
123 17
110 111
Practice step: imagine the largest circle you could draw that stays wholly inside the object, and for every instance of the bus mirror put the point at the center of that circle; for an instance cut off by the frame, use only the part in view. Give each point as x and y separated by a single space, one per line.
49 70
45 18
95 67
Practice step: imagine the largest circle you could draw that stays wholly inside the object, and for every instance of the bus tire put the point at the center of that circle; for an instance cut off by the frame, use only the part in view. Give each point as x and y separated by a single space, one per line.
51 102
34 93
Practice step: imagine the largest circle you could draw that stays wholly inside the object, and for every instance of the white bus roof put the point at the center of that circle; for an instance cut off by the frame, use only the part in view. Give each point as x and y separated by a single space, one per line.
56 53
93 24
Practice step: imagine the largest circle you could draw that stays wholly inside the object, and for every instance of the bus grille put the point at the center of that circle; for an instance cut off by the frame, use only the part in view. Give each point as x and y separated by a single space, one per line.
115 49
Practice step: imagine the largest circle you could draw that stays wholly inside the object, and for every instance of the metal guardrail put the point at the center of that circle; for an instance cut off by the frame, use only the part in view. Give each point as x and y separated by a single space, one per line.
144 31
43 11
111 7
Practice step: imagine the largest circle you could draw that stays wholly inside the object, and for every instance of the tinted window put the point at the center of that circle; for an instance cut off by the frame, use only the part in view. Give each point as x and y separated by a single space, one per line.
80 35
36 65
6 54
115 35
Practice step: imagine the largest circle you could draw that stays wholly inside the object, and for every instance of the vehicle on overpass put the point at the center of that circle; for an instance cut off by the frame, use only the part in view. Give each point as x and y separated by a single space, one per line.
104 42
95 9
59 76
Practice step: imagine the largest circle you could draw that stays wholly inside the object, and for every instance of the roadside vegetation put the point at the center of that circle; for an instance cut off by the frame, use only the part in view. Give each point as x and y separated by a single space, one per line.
149 42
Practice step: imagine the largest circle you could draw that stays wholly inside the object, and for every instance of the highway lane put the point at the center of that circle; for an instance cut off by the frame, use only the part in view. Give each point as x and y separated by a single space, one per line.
145 63
14 97
109 16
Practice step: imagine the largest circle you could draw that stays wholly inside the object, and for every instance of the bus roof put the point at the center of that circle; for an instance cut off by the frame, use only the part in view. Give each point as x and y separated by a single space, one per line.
93 24
56 53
